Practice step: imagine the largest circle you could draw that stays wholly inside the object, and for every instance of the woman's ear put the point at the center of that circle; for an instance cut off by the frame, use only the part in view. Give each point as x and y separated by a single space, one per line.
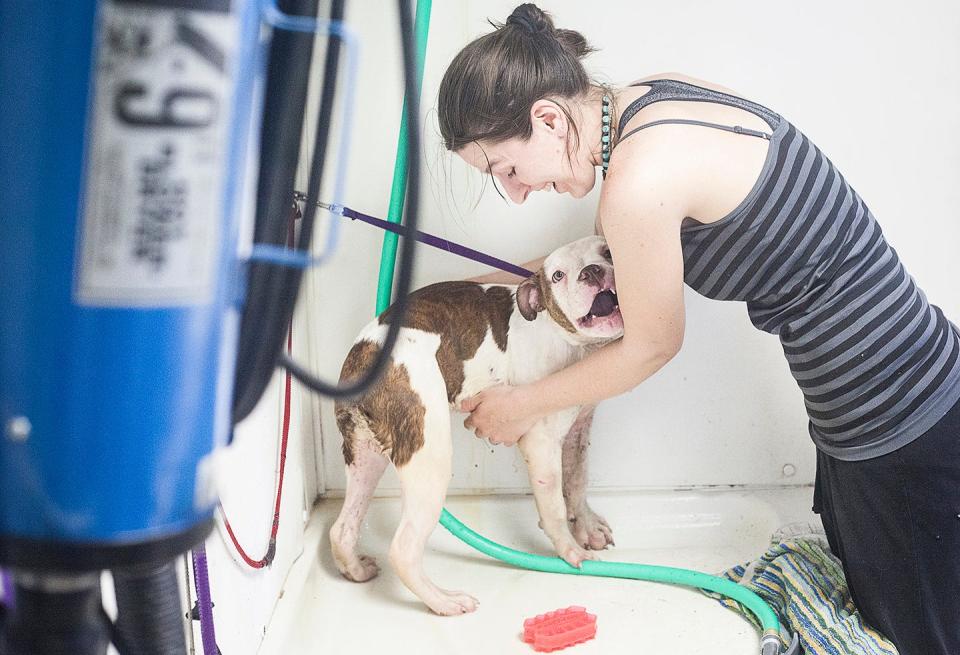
548 114
529 297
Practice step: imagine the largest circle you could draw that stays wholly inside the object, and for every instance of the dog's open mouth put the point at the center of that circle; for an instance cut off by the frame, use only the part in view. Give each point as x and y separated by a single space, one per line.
604 304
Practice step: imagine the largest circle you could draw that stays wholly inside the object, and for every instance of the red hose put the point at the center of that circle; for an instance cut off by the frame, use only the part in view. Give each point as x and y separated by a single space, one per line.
267 558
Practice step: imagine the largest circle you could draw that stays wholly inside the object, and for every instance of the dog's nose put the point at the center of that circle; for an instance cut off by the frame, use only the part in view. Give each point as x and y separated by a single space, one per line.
593 273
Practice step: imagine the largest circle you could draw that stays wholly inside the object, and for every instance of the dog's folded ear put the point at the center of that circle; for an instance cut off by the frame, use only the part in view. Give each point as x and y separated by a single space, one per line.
530 297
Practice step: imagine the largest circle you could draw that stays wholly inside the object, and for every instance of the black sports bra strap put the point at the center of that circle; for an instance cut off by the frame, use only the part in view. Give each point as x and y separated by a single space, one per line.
664 90
683 121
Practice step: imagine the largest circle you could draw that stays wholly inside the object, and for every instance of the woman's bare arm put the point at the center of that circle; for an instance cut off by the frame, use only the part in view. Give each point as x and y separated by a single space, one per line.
641 220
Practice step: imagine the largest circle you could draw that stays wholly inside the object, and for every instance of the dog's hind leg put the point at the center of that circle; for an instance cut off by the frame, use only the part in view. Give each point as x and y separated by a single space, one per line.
363 473
424 479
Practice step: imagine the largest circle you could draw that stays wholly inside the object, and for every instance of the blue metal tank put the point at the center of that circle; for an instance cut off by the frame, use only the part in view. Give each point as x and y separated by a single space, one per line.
125 129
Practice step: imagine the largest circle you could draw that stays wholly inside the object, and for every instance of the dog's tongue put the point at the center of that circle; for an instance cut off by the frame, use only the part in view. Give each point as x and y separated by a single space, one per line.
603 304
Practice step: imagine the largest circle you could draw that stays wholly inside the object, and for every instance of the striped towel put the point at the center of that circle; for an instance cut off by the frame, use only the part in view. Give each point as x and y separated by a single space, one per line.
803 582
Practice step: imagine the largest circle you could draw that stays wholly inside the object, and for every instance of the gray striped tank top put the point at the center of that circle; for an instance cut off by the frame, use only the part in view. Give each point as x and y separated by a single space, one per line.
877 363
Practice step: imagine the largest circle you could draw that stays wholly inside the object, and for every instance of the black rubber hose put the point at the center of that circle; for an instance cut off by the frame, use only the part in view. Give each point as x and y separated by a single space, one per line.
149 610
270 289
405 276
55 615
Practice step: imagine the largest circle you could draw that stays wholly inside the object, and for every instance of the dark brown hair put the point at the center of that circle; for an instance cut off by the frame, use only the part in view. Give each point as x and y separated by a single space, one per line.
489 87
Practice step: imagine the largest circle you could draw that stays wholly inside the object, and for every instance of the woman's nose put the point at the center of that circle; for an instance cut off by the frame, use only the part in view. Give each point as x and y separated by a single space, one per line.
516 191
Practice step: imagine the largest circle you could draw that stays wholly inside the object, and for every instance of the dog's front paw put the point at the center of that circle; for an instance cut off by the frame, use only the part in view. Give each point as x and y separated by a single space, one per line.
590 529
573 554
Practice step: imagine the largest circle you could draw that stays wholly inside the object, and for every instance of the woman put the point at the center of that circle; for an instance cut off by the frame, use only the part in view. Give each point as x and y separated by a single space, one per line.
705 188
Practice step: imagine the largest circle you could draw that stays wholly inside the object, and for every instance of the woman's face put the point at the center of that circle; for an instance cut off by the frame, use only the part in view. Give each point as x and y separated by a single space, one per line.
540 162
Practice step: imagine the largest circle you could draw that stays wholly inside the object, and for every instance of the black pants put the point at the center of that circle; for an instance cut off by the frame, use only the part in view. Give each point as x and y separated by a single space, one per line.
894 521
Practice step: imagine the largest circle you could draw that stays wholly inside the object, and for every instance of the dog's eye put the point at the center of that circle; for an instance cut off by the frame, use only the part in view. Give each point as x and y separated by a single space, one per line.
605 253
557 276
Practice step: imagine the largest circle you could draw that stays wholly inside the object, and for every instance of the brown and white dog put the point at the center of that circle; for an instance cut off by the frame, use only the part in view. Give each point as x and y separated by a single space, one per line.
458 339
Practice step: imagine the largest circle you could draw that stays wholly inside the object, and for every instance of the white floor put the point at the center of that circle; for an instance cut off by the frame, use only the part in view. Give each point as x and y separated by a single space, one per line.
320 612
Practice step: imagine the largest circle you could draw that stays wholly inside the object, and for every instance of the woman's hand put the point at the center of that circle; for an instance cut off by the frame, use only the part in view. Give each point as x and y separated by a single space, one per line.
499 414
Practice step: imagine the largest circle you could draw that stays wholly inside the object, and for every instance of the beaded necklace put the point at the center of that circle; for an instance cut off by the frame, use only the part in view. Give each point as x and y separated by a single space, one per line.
605 135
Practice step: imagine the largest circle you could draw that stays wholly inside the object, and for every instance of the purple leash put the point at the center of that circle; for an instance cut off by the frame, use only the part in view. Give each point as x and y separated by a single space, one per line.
424 237
6 588
201 580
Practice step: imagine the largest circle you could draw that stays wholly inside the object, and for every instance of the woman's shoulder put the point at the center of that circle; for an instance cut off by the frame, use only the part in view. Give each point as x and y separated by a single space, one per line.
655 165
681 77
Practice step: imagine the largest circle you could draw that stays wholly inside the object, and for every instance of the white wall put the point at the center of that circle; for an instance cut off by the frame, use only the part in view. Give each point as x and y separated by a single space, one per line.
876 85
247 471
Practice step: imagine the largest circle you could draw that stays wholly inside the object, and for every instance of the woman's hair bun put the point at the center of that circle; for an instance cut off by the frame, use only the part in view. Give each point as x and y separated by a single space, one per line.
530 18
534 21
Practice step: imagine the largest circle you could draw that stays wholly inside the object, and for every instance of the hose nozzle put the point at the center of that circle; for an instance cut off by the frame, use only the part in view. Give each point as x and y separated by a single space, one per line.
770 644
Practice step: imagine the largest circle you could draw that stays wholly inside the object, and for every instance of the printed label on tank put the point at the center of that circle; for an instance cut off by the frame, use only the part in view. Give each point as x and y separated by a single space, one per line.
157 154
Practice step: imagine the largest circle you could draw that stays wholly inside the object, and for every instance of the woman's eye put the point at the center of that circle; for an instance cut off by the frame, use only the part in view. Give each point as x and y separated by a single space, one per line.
557 276
513 171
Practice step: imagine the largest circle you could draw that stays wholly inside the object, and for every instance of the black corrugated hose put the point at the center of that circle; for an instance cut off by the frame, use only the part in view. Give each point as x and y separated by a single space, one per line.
56 614
272 290
411 99
149 621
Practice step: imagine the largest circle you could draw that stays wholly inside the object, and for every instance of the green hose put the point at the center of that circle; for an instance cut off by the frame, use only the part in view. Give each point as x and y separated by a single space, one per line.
683 577
388 254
